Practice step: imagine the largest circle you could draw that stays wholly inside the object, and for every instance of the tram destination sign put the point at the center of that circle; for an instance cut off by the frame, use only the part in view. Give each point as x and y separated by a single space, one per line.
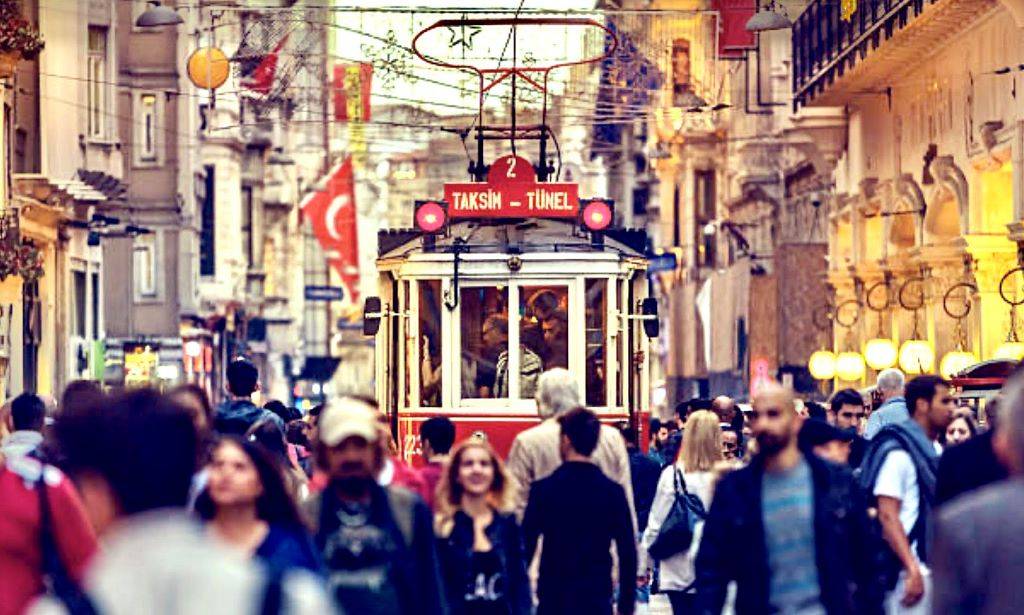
512 191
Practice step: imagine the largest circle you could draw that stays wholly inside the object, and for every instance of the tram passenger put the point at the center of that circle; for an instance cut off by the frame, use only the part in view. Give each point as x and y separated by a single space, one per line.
530 364
494 334
556 340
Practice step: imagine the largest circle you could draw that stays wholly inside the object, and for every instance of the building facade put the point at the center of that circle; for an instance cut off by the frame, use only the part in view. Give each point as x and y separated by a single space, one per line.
928 183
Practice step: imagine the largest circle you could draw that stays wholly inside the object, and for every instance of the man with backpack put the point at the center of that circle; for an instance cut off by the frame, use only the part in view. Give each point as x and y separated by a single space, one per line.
377 542
800 523
899 470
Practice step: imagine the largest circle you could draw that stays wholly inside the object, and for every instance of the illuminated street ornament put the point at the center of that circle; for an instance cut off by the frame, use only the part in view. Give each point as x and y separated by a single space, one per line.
1009 350
596 216
955 362
917 357
822 365
850 366
880 353
430 216
208 68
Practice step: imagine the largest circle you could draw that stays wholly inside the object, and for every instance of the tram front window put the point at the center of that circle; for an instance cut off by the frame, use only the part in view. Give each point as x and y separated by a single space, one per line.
543 332
596 315
430 343
484 341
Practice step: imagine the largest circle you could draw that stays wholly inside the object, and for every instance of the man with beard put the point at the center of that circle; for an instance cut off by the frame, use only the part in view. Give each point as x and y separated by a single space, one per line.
377 542
800 522
846 412
899 469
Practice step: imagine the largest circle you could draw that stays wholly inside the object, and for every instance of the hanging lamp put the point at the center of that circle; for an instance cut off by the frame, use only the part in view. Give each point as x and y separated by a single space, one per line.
1012 349
880 352
917 354
961 357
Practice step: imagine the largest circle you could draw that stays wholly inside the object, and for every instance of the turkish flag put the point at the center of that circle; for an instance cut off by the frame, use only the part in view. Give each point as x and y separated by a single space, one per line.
262 77
332 212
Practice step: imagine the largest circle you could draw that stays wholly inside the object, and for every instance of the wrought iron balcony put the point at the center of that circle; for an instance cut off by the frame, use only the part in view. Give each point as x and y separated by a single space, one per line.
826 45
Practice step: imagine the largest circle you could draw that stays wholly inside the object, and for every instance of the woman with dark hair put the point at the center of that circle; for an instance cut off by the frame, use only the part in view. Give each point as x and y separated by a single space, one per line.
962 428
248 505
193 398
267 434
479 543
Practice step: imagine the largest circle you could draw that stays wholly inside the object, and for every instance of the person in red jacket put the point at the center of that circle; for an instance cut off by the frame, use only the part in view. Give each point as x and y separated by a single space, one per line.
21 557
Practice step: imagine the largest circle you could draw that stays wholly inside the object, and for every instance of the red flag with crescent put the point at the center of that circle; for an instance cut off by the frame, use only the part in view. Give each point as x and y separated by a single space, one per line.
262 77
332 213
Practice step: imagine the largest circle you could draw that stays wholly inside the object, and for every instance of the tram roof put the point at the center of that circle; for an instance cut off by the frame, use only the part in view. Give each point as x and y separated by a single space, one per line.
519 237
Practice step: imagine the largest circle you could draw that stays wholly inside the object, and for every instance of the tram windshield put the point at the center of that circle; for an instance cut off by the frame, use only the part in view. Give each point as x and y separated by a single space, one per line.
508 335
484 341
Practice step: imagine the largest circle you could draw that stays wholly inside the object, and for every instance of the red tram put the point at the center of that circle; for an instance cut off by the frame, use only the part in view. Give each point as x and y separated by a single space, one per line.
497 283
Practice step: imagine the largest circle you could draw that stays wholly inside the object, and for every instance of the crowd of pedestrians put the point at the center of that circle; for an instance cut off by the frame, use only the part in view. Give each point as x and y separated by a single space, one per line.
147 502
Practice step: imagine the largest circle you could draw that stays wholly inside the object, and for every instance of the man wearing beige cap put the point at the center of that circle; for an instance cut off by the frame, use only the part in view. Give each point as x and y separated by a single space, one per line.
377 542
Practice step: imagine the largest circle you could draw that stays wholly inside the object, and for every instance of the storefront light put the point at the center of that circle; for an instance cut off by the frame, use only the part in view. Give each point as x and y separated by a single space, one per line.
822 365
955 362
193 348
850 366
917 357
168 371
880 353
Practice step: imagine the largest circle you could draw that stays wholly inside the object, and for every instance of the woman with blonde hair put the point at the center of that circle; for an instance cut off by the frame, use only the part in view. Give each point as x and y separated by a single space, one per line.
479 543
692 473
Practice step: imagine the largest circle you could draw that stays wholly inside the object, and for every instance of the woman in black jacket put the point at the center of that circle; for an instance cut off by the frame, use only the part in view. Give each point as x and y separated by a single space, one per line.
480 545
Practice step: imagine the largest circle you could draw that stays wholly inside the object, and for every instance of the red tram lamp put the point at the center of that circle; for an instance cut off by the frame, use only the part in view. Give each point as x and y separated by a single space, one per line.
431 217
596 214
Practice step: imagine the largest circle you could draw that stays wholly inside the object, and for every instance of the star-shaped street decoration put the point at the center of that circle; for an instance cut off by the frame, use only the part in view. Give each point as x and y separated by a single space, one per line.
462 37
390 61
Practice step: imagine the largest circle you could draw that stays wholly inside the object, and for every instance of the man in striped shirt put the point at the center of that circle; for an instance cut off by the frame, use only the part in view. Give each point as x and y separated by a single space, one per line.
799 521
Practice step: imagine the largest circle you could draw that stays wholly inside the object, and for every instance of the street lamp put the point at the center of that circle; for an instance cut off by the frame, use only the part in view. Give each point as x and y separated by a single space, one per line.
768 19
158 15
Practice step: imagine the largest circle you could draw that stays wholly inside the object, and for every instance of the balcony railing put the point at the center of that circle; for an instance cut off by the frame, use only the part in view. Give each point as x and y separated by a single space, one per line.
825 45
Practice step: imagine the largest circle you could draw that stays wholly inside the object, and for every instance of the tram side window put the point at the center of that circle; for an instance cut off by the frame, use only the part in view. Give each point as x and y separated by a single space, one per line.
596 307
430 343
543 333
484 341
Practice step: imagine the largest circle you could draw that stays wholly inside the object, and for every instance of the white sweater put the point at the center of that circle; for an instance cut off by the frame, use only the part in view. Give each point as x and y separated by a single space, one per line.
677 572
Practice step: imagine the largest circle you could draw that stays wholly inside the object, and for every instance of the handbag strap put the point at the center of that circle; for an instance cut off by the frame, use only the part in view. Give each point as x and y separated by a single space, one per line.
55 574
679 479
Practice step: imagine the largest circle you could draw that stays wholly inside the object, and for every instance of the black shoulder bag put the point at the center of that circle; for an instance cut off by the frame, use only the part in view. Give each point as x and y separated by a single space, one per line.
56 579
676 533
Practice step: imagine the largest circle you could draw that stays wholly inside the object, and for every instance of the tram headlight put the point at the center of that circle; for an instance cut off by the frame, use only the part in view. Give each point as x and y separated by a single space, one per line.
596 215
431 216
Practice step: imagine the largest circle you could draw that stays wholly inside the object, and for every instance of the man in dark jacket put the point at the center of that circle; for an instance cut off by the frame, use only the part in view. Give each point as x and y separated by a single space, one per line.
580 512
800 523
236 415
644 473
377 542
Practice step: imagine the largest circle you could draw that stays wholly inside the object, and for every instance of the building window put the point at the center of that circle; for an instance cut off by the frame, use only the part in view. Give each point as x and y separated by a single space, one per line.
204 196
680 66
97 81
248 237
79 283
147 126
144 258
95 281
704 217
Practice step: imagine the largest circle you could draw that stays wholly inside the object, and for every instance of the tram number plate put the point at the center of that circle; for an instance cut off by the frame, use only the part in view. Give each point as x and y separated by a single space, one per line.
512 191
